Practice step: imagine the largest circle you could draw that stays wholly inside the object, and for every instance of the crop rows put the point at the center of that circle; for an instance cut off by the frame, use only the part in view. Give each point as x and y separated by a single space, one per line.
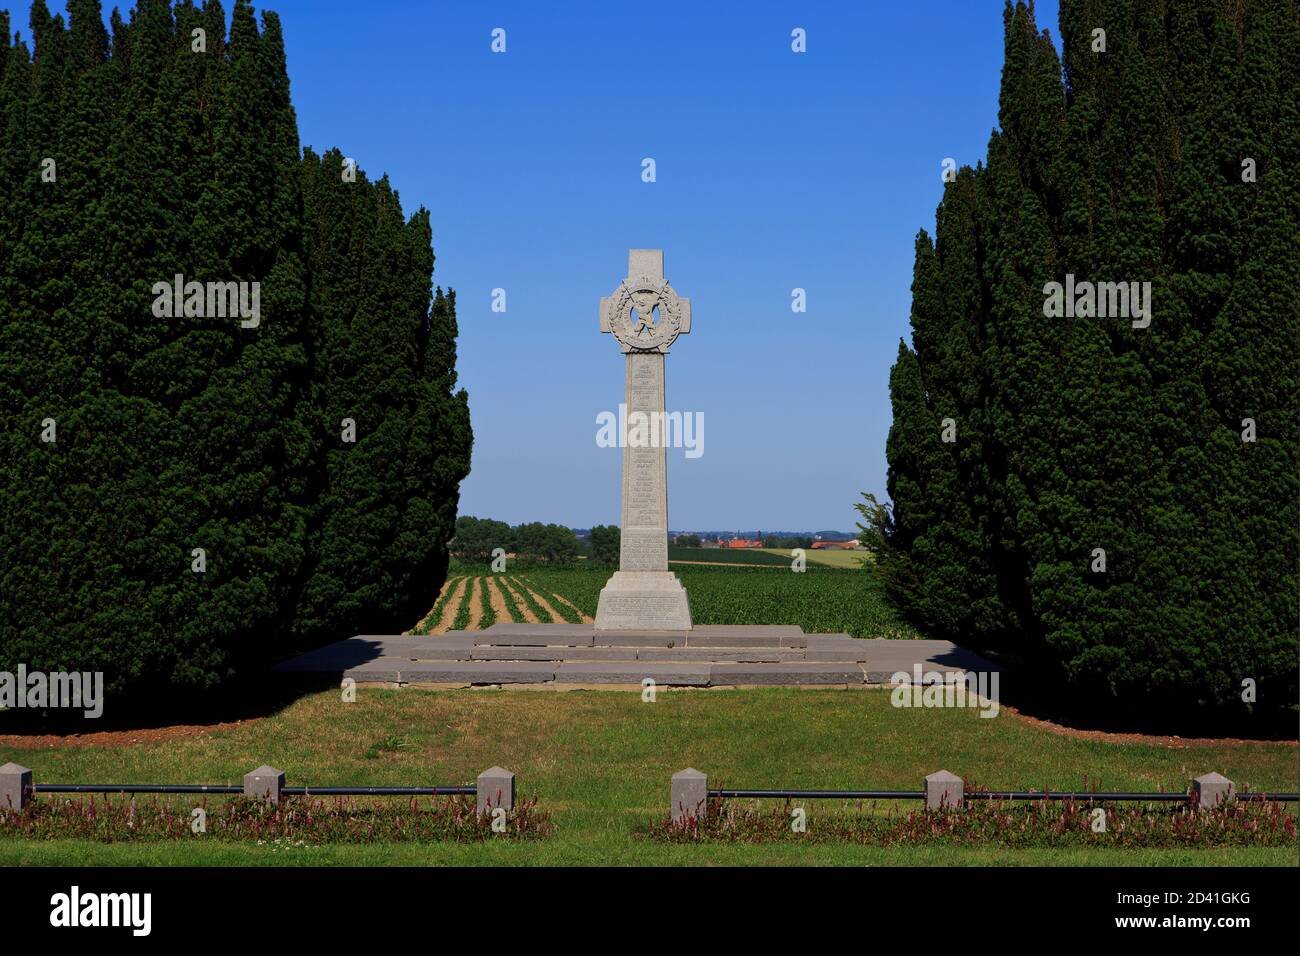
820 600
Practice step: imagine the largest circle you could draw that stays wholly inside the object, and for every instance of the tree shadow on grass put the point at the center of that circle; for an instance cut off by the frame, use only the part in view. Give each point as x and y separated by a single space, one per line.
1035 697
260 691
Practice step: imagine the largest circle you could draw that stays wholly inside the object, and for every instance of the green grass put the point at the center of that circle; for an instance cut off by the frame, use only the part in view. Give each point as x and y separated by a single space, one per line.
601 762
554 852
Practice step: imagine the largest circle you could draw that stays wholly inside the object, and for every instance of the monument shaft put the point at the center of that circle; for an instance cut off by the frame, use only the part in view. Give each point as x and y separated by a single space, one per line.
644 539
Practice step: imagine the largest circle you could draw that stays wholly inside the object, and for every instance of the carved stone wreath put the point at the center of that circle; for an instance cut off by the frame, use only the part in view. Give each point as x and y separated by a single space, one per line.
643 294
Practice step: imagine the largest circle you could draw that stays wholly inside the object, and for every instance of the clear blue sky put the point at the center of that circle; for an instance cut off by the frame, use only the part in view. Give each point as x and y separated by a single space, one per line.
775 170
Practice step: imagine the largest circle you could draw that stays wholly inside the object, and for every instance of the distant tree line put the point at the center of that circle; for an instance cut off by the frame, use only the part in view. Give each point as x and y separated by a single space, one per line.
185 493
1114 500
604 541
769 541
479 540
787 542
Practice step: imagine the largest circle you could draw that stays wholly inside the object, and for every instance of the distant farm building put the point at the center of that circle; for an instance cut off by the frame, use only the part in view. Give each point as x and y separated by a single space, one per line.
836 545
737 543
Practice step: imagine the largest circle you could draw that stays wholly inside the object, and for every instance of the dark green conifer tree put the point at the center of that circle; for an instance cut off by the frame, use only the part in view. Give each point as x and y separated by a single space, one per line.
1091 435
177 154
396 438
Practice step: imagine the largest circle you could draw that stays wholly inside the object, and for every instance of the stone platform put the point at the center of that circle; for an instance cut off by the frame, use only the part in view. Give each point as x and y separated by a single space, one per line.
579 655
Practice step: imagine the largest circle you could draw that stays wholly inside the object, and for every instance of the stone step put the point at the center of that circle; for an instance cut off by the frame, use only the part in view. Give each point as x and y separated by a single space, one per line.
470 646
477 672
668 673
747 635
610 639
713 654
666 654
641 638
789 672
510 633
685 674
510 653
480 652
515 634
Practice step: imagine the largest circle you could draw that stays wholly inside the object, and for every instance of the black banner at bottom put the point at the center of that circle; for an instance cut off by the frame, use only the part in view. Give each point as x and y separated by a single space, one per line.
217 905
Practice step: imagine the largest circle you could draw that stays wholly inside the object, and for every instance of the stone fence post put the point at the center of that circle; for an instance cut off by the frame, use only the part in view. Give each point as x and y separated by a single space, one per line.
264 783
1212 789
495 787
15 786
690 795
944 790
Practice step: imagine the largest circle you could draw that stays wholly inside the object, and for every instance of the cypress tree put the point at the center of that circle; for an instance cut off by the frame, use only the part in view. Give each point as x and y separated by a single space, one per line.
938 480
1147 443
393 431
181 432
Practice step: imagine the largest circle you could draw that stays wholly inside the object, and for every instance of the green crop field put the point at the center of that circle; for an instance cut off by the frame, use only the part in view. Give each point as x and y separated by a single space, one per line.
773 557
727 556
833 557
820 599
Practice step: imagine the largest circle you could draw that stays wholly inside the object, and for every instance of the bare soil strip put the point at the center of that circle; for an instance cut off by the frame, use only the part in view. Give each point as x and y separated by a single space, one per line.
498 602
451 608
524 609
120 738
475 604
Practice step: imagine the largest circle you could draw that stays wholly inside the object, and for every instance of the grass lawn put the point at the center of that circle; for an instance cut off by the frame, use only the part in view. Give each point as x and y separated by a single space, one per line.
601 762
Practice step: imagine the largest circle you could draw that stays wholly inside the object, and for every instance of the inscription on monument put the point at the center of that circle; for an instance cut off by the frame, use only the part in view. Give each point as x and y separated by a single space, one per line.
645 477
631 611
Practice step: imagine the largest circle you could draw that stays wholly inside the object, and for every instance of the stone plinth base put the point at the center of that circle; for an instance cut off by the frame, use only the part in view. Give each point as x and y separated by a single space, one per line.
643 600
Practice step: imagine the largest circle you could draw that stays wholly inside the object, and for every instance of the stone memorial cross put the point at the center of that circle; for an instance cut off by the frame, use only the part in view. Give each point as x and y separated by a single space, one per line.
645 316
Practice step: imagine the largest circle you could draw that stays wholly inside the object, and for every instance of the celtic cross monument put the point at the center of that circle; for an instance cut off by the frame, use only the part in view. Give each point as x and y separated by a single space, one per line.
645 315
